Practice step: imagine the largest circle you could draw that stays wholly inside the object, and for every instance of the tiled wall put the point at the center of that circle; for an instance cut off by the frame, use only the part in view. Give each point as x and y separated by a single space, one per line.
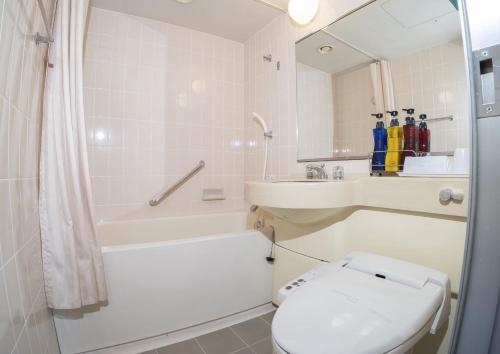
315 112
353 92
159 98
26 325
433 81
272 93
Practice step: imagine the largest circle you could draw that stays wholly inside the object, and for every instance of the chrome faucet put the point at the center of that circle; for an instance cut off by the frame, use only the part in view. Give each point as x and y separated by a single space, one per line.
338 173
315 171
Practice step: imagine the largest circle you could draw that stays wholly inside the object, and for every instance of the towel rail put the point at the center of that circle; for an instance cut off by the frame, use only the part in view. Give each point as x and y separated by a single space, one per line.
160 197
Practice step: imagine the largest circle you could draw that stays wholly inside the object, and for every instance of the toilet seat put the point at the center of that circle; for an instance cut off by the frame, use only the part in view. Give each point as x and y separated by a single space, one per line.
348 310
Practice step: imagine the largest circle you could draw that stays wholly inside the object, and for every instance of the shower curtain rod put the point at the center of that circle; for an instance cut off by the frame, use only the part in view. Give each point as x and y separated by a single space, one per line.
38 37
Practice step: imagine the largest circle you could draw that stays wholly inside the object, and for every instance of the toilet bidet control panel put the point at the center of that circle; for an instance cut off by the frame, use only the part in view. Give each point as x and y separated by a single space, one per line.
289 288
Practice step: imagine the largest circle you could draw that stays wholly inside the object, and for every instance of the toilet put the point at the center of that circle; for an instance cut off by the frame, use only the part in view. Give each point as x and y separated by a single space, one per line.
363 304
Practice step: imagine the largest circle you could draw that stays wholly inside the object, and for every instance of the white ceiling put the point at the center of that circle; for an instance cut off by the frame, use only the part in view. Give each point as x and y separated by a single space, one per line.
340 59
232 19
389 29
384 29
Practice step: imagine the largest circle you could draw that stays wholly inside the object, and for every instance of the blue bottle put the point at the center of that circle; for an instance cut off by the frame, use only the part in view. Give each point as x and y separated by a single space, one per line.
379 144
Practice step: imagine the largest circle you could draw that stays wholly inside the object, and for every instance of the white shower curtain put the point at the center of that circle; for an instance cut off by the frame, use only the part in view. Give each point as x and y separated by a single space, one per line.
385 67
72 261
377 86
383 91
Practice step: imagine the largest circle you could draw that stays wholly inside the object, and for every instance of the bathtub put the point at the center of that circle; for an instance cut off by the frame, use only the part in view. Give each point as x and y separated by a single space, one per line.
168 274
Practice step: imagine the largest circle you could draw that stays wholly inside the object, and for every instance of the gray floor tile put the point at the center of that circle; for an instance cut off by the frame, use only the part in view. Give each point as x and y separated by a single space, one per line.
263 347
268 317
186 347
244 351
253 330
150 352
223 341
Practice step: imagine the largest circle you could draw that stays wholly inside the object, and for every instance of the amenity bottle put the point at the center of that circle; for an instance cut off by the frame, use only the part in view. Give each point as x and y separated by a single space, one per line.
379 144
410 134
424 136
394 157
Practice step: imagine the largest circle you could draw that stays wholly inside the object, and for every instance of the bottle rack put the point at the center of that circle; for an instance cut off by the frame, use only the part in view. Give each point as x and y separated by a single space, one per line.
390 173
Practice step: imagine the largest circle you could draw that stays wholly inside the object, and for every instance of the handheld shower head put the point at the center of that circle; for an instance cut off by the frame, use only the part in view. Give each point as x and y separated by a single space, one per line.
260 121
267 136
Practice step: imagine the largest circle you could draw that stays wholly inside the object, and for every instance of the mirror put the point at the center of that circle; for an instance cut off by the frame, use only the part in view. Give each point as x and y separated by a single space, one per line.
387 55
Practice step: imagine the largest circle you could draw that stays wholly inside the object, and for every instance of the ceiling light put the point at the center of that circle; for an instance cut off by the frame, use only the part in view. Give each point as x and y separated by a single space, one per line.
184 1
325 49
303 11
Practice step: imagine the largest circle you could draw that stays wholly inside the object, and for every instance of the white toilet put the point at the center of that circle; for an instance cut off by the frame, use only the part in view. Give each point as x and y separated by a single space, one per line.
364 304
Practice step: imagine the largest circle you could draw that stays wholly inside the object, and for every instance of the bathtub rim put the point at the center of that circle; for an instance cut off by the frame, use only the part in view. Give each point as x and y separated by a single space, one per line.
173 217
146 245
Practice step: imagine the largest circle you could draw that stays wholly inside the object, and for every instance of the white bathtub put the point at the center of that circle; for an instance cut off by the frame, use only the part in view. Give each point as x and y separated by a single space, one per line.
168 274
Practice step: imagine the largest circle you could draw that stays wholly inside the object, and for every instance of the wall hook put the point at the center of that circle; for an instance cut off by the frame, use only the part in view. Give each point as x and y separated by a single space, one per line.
269 59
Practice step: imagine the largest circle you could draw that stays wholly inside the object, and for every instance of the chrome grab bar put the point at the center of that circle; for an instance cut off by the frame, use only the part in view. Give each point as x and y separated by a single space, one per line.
160 197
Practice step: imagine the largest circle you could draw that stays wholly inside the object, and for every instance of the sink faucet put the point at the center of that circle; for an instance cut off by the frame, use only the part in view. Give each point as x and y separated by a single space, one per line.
315 171
338 173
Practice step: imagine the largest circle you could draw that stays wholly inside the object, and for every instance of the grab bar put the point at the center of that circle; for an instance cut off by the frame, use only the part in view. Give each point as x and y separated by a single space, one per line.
160 197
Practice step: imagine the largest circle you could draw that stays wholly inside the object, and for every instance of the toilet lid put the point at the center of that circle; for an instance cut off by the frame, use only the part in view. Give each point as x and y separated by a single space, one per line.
351 312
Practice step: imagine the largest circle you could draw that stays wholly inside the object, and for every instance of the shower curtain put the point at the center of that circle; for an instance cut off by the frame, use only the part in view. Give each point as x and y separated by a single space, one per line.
385 67
377 86
383 91
72 261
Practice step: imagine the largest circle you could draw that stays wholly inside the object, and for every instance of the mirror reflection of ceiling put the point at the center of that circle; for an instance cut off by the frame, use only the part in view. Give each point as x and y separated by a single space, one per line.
232 19
394 28
341 58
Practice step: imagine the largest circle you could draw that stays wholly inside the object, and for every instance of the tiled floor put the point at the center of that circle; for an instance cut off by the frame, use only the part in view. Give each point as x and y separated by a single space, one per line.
250 337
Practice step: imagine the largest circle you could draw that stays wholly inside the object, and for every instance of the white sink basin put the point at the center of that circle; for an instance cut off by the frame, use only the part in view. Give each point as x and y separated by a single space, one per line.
303 216
307 201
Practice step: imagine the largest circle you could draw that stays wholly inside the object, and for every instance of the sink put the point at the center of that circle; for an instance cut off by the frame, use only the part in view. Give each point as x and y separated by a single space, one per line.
303 216
299 200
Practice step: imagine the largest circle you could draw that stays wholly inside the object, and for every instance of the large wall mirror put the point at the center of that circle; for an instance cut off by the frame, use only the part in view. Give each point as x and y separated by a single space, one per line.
388 55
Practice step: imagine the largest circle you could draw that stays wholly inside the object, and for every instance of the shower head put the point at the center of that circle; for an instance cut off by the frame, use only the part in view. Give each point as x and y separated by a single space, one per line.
260 121
268 135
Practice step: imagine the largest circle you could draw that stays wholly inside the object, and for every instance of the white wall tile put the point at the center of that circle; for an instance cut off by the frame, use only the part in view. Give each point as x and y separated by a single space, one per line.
22 72
316 112
433 81
161 99
272 93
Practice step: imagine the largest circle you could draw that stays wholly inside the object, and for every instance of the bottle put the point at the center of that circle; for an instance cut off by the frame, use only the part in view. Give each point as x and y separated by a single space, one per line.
424 136
379 144
409 134
394 157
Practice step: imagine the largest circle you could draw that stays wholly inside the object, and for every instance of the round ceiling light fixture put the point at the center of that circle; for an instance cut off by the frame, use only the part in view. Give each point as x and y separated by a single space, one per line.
303 11
184 1
325 49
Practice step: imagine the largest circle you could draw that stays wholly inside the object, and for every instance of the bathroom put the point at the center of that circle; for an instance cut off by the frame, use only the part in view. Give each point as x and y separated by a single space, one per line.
249 176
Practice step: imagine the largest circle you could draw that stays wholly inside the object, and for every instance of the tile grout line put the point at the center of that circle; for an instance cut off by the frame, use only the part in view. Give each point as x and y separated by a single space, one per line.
269 323
199 345
236 334
262 340
263 320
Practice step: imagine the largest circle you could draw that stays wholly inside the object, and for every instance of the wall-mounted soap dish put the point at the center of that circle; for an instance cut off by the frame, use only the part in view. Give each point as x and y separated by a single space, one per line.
210 194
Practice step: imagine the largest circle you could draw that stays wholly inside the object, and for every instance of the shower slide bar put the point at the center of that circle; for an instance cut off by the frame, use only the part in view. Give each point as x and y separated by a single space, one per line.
38 37
160 197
